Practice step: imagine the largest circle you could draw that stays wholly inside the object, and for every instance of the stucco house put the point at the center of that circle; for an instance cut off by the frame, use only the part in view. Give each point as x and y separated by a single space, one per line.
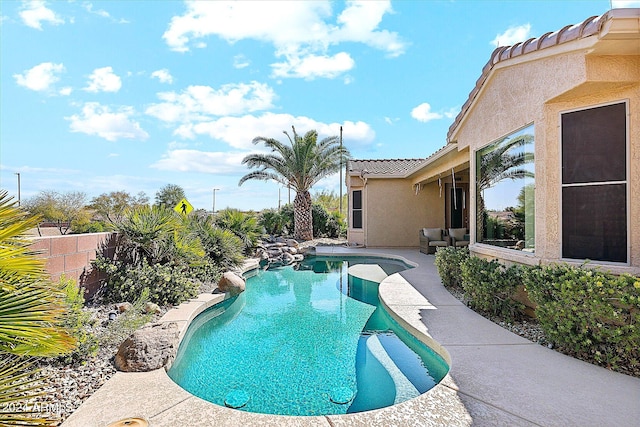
542 163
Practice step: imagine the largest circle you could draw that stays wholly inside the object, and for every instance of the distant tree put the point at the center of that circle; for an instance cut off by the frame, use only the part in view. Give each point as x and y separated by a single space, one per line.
300 164
169 196
111 206
62 208
329 200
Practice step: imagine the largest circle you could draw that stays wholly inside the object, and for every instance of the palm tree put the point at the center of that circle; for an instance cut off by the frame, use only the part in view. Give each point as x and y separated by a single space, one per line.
31 309
299 165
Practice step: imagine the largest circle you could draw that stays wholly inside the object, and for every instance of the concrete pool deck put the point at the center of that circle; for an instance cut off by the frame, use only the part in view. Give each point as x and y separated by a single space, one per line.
496 377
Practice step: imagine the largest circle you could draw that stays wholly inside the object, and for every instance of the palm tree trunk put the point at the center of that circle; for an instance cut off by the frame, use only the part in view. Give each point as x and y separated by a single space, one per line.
302 217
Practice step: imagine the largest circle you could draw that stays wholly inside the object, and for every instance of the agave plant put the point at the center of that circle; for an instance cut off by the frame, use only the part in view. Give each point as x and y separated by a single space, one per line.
31 309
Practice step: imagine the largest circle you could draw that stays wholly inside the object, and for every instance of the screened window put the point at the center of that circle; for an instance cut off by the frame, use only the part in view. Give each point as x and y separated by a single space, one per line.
356 209
506 192
594 184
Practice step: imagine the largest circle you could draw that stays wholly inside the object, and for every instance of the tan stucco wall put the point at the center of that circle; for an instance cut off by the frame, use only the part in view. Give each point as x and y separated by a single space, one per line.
538 92
393 213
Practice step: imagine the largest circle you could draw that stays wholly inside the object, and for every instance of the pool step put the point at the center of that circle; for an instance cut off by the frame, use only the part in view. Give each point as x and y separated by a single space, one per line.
405 390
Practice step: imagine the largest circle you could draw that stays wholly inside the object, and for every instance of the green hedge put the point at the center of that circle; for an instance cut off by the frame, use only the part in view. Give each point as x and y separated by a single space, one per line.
489 286
588 313
448 261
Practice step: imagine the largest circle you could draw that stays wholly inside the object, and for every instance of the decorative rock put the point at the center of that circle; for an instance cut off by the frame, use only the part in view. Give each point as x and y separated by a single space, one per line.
281 240
151 308
125 306
287 258
298 258
232 283
149 348
292 243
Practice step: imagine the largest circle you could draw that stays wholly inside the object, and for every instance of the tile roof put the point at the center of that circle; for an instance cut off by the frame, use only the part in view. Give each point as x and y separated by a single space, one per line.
386 167
588 27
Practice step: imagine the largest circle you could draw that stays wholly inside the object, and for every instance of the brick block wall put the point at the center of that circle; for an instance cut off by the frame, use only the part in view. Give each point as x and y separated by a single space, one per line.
72 254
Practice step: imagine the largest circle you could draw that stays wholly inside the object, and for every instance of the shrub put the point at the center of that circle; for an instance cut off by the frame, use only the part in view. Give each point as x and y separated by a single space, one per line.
588 313
448 261
222 247
244 225
489 286
77 322
272 221
128 322
166 283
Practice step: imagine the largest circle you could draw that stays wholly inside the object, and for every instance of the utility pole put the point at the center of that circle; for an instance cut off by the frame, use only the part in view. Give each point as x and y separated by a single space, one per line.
341 170
213 210
18 174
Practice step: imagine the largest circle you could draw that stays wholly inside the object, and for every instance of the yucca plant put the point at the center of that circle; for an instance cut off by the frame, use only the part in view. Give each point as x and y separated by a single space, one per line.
31 309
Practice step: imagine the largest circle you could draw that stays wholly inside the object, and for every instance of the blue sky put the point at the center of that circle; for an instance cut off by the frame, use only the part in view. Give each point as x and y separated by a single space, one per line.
118 95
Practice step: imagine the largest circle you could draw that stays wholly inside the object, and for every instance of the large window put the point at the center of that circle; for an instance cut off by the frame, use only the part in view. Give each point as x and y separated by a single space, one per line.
356 209
594 184
505 192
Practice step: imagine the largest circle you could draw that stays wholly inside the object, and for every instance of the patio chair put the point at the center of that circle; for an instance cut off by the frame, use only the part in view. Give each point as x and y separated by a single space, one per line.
458 237
432 238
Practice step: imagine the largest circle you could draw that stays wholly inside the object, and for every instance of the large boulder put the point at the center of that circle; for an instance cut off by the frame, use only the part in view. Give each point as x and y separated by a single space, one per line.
232 283
149 348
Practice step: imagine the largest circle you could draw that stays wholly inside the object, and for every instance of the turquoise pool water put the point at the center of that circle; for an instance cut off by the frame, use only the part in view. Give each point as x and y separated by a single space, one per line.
311 341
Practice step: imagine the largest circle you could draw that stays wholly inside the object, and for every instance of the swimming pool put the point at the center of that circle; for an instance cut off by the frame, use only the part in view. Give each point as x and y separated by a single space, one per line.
311 341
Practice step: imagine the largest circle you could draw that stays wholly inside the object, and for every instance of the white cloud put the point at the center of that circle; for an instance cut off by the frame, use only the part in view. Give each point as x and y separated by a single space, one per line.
301 32
312 66
512 35
65 91
41 77
238 132
103 80
452 112
99 120
423 113
103 13
35 12
240 61
100 12
202 102
163 76
200 161
360 21
620 4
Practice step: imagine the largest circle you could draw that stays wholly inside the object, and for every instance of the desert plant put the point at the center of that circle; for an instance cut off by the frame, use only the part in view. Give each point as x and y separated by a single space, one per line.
77 321
244 225
31 309
223 248
127 322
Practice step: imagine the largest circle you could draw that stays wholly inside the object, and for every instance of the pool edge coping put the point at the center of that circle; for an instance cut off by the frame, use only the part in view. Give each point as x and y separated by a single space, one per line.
442 397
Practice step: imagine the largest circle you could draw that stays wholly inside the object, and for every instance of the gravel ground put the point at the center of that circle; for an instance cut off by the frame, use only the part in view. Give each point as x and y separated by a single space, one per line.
529 329
66 386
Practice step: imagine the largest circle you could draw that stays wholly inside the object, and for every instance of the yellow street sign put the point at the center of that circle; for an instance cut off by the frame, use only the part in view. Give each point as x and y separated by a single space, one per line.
183 207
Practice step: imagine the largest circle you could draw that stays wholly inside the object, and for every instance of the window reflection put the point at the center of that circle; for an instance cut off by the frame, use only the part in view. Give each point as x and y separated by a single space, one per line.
506 188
